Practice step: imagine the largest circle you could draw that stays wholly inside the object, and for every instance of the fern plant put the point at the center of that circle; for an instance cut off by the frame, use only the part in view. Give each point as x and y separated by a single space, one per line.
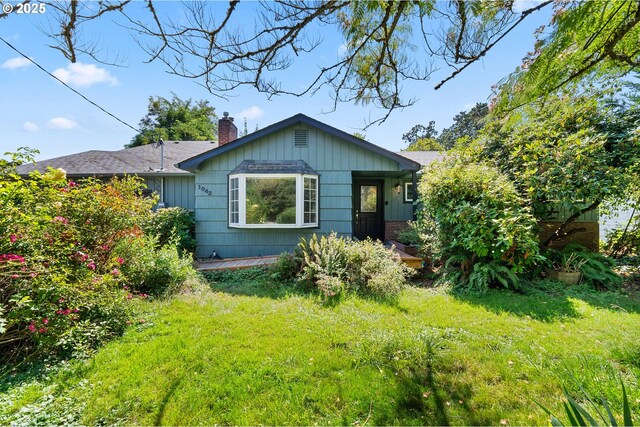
596 269
479 276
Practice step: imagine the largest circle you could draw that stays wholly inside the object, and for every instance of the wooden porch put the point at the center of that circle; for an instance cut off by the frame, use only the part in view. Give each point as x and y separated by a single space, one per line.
236 263
242 263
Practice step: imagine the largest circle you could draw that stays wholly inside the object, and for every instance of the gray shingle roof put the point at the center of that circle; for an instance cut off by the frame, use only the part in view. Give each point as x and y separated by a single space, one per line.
422 157
144 160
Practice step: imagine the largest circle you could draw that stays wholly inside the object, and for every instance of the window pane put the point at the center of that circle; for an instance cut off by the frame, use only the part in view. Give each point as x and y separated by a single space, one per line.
368 198
310 201
234 202
271 200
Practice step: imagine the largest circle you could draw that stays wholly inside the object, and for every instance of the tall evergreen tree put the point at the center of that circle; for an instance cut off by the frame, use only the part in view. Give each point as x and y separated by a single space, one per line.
176 120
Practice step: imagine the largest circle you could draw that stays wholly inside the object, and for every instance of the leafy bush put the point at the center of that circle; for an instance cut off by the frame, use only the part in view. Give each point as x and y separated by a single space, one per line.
151 269
334 265
175 226
63 287
287 216
408 236
374 269
287 266
326 256
484 230
60 283
430 246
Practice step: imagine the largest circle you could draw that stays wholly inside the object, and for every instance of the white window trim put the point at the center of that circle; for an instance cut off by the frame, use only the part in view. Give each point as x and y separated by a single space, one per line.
242 196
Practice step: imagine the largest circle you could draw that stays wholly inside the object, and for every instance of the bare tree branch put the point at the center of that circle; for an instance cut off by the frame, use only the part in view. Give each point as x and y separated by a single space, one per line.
489 46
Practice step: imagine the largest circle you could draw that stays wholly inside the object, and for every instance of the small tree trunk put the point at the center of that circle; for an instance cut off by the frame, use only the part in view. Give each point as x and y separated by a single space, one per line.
560 232
614 251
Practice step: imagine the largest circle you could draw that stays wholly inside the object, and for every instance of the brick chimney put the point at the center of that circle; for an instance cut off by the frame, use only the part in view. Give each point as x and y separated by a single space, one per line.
227 131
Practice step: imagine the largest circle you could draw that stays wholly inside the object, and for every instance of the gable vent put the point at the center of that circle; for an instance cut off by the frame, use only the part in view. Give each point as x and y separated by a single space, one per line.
300 137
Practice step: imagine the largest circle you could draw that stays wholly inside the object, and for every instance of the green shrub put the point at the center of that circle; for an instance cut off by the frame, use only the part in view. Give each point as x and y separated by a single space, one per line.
323 257
175 226
430 246
334 265
287 266
596 269
481 223
151 269
373 269
408 236
287 216
62 290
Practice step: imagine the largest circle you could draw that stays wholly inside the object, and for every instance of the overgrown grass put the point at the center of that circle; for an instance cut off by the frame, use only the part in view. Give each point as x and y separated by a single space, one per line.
250 352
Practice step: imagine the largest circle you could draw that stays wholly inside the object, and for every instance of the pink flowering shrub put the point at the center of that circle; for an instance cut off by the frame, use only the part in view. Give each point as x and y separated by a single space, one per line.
62 287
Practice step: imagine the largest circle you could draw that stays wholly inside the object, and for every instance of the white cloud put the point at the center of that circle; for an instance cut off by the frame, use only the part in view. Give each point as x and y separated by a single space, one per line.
30 127
250 113
468 106
61 123
84 75
342 49
14 63
520 6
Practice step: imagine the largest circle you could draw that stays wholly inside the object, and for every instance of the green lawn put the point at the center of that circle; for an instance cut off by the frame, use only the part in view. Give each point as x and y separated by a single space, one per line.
248 353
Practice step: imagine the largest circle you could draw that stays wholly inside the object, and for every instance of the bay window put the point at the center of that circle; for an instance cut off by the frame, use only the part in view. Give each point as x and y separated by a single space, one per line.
273 200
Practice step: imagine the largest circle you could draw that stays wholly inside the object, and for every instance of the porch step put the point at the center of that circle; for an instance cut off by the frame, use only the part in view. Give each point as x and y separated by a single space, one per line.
409 260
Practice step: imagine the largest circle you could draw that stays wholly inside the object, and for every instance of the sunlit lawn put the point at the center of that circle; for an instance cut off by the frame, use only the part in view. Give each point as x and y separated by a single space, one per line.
248 353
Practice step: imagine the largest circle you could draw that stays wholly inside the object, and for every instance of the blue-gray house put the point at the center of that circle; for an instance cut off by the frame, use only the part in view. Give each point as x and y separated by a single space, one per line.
257 195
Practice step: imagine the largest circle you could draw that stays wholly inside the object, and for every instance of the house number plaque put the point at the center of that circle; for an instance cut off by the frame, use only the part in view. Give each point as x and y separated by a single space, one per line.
205 190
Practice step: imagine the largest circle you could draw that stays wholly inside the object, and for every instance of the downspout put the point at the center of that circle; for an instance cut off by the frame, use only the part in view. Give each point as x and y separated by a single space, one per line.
414 185
161 204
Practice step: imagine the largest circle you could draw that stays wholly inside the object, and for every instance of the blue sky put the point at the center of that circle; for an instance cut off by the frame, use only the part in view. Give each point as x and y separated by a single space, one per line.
38 112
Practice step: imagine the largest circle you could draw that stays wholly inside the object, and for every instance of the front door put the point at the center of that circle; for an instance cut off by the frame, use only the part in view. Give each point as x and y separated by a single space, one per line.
368 209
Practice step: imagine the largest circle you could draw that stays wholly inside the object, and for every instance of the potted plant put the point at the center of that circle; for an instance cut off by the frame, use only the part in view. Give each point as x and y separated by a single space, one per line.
567 269
407 241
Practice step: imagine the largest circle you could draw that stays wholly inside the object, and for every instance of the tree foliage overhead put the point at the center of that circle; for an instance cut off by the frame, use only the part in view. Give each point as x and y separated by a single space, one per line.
176 120
576 149
466 124
586 40
425 144
420 132
422 138
386 43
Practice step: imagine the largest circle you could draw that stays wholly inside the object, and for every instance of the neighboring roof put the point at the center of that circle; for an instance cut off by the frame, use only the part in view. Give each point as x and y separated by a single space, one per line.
193 163
422 157
143 160
274 166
